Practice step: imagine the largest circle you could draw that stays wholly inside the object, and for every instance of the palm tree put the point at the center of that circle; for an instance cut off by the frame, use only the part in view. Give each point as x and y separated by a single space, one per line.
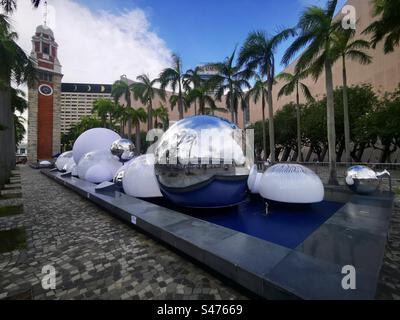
387 27
121 88
258 52
15 67
316 29
104 108
293 83
120 115
257 92
145 91
205 100
174 76
229 82
347 48
175 99
10 5
160 113
19 104
138 116
192 80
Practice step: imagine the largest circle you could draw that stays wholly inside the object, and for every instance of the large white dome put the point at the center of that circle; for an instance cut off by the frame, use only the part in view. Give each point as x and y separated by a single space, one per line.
139 178
93 139
98 166
291 183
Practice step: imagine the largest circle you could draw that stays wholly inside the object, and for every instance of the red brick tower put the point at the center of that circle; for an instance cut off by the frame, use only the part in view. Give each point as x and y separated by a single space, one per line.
44 98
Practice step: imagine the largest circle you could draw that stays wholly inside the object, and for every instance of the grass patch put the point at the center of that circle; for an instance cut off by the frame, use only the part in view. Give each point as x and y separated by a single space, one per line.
14 239
10 196
11 210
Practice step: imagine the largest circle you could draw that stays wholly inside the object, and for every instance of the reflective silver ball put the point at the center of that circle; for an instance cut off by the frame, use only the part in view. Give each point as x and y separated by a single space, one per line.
123 149
199 162
362 180
118 177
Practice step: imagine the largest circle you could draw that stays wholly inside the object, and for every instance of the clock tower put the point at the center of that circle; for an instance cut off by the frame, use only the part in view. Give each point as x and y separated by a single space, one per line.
44 95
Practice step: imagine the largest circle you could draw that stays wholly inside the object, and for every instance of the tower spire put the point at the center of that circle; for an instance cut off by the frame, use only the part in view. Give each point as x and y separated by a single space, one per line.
45 14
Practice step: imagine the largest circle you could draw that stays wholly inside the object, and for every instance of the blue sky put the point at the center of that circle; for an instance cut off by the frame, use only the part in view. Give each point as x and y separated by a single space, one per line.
208 30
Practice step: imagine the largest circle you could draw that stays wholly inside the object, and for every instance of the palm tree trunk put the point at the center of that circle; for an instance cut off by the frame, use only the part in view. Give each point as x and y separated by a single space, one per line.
180 104
299 154
331 124
346 113
6 137
195 107
263 127
137 138
129 128
149 115
271 121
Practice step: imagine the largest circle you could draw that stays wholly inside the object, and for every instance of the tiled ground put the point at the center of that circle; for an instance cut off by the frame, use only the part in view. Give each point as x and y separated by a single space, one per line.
95 255
99 257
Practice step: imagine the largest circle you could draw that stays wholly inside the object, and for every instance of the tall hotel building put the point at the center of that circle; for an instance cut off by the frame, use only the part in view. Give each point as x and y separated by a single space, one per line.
77 101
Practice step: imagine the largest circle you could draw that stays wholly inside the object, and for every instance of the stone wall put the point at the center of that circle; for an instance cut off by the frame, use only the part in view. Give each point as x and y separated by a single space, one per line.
32 122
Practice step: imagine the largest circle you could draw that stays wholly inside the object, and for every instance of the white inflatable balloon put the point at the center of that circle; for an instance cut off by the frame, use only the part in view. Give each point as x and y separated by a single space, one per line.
63 159
98 166
93 139
70 166
139 178
253 182
291 183
45 163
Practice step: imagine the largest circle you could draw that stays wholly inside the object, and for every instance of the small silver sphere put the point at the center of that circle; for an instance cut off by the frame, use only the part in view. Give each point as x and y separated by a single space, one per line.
362 180
123 149
118 177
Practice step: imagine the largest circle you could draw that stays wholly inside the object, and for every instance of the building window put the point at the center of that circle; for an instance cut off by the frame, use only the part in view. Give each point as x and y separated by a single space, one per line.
46 48
45 76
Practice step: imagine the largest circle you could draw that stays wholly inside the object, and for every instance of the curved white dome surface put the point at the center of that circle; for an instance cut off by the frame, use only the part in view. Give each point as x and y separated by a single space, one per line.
98 166
140 179
291 183
93 139
254 180
63 159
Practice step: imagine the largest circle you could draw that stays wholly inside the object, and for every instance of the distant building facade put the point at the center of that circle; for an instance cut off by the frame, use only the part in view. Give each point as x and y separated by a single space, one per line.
77 101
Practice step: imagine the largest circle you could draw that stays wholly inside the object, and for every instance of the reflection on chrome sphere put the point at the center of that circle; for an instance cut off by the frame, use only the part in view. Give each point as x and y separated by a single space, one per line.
362 180
123 149
199 162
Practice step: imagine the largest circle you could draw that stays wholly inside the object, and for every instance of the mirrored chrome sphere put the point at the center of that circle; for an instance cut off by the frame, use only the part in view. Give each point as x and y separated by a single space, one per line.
362 180
123 149
199 162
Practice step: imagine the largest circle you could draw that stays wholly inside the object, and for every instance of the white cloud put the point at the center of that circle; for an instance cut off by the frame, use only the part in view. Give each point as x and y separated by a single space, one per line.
96 46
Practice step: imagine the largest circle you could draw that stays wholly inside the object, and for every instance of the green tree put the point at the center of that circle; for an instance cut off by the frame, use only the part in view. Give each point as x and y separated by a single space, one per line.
316 30
258 52
174 77
16 67
161 113
145 91
121 88
294 84
138 116
201 94
259 91
192 80
229 81
104 108
347 48
387 27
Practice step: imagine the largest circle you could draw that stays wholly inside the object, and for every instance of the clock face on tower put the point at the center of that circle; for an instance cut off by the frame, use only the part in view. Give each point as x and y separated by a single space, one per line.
45 90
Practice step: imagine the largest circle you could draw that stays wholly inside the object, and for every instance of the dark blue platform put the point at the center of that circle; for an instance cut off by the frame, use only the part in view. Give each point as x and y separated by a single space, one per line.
354 235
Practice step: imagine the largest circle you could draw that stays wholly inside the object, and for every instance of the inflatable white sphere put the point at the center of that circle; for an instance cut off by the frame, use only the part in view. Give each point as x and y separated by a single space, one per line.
98 166
291 183
93 139
139 178
253 182
70 166
63 159
45 163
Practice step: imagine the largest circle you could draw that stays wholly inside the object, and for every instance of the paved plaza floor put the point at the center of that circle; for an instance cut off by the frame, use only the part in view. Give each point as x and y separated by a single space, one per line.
97 256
